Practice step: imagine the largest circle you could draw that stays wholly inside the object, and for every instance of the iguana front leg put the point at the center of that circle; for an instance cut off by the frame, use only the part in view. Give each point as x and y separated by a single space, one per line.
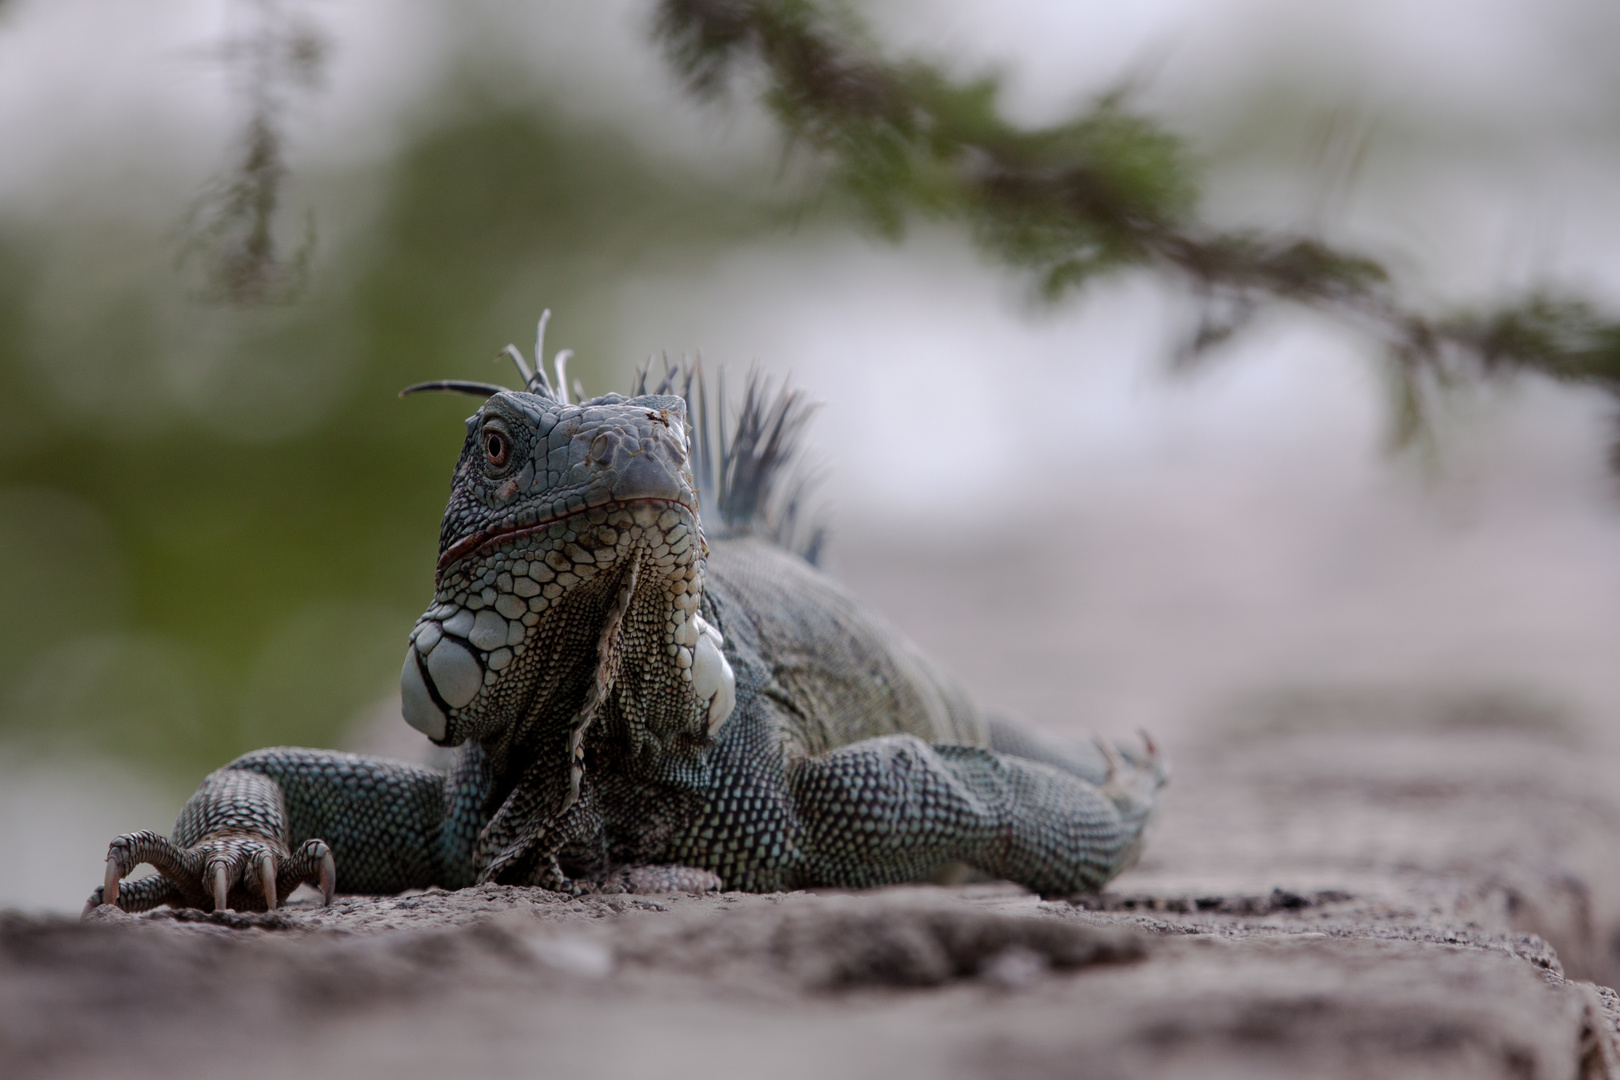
230 850
274 818
895 809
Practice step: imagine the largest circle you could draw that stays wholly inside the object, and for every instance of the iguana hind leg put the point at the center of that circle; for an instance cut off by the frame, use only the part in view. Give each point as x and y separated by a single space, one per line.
896 809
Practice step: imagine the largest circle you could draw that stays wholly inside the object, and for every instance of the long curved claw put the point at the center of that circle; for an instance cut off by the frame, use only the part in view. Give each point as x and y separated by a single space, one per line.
328 877
221 888
109 891
1154 761
1116 764
267 879
313 863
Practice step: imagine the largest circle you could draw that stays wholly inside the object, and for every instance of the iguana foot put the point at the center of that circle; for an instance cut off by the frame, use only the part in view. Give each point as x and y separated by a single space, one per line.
633 879
1132 782
240 870
658 879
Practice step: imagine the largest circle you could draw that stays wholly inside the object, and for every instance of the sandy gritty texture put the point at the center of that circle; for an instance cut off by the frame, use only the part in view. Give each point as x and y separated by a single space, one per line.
1338 886
1428 900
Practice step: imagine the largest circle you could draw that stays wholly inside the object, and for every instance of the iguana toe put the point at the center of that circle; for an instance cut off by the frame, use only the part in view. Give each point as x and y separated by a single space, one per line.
132 896
668 879
644 879
312 863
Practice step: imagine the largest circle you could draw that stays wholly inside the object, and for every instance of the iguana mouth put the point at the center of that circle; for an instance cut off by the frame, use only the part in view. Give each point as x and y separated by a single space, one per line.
488 539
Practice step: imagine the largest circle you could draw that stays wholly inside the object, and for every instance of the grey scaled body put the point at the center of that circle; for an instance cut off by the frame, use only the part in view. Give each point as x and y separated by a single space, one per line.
644 706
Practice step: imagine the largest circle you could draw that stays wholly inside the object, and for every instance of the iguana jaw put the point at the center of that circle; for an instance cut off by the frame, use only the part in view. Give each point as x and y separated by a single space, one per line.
488 539
516 629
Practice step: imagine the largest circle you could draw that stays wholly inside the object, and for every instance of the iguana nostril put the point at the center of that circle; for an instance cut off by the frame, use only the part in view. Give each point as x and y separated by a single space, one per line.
602 448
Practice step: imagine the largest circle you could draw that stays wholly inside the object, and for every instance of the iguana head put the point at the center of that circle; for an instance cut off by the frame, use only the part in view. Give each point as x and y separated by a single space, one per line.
570 563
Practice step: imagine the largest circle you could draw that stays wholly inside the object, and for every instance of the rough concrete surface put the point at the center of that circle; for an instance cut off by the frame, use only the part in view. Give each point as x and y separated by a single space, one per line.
1428 901
1337 886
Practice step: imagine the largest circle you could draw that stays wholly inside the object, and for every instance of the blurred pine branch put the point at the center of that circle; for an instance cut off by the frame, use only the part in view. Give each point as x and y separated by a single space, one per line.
232 227
1105 191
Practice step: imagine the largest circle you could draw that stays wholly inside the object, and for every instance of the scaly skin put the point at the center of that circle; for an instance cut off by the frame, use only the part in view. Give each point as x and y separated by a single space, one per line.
611 742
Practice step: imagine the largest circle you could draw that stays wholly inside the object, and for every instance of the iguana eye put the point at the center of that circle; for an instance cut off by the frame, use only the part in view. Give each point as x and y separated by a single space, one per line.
497 449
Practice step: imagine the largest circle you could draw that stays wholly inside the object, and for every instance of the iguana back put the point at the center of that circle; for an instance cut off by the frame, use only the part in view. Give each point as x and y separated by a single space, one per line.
840 673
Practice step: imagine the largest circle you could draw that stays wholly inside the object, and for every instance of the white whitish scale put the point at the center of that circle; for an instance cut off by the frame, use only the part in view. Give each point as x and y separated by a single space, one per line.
458 675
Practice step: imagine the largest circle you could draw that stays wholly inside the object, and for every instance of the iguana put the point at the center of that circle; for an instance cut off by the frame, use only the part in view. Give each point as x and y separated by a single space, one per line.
648 699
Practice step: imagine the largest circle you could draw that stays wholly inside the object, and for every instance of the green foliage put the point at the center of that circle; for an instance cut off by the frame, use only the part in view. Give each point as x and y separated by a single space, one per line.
1564 339
1107 191
1066 201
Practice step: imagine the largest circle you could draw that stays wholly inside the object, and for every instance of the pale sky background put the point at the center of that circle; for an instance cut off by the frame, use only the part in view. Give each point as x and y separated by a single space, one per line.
1232 531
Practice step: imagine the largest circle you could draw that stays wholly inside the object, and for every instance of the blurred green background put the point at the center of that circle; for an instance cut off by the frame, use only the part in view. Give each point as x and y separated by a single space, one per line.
219 523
